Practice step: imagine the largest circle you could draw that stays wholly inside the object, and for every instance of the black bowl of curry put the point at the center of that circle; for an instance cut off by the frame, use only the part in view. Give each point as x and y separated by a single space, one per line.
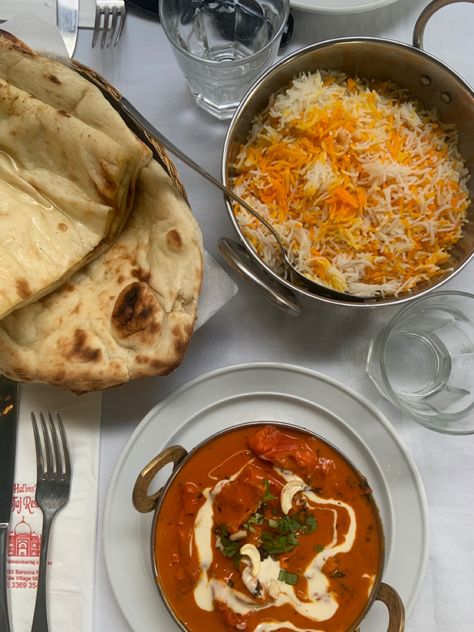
265 527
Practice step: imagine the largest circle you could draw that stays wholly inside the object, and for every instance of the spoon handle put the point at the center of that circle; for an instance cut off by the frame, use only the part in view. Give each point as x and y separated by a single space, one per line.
140 120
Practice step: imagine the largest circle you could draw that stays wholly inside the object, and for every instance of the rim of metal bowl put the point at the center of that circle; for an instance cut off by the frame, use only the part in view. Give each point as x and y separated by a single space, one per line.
351 301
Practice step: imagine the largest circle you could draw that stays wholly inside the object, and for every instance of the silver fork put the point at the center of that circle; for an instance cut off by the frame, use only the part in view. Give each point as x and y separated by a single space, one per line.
53 484
109 18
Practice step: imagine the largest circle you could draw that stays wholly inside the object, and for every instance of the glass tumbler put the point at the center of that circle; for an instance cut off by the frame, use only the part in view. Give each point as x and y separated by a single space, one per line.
423 361
223 46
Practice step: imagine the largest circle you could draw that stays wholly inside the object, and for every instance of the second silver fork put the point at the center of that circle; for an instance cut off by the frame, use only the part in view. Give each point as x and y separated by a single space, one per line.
109 20
52 493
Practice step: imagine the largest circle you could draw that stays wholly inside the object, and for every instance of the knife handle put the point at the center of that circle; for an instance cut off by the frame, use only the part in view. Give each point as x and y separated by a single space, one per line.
4 618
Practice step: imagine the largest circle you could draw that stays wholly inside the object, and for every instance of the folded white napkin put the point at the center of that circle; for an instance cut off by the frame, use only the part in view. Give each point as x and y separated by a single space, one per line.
46 10
217 289
72 545
73 537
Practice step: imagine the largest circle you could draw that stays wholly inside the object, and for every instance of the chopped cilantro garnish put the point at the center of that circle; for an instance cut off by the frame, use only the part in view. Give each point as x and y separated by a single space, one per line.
257 518
300 524
288 525
288 578
227 547
318 548
311 524
267 495
274 544
288 528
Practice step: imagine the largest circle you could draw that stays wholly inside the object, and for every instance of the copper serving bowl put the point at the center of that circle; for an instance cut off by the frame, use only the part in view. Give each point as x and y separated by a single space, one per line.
426 79
145 502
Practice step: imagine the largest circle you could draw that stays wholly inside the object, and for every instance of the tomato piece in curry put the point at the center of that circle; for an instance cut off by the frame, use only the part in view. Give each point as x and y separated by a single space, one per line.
266 528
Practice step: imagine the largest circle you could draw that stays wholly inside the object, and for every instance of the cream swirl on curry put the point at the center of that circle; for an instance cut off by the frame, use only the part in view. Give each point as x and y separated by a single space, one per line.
265 529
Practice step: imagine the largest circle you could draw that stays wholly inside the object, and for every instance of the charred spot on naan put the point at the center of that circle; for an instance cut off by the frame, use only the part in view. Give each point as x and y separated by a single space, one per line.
181 335
81 350
106 186
17 44
17 373
59 377
174 240
141 275
137 311
23 288
157 367
160 367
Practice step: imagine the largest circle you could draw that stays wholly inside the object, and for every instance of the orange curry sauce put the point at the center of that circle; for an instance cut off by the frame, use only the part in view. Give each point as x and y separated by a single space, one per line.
305 517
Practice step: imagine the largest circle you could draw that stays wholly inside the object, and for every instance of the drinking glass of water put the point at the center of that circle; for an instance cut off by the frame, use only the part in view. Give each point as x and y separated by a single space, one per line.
223 46
423 361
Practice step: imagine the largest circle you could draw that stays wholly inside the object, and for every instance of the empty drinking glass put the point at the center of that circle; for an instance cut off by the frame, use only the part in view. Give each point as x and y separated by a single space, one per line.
222 46
423 361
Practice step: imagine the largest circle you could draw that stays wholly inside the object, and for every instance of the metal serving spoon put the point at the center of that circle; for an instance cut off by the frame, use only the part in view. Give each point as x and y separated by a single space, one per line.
139 120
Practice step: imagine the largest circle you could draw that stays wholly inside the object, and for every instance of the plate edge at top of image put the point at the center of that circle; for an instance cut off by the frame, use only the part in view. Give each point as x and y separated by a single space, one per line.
196 395
362 7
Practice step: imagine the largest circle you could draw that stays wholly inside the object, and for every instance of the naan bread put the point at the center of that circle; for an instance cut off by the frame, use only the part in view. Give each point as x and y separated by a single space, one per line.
129 313
62 88
66 187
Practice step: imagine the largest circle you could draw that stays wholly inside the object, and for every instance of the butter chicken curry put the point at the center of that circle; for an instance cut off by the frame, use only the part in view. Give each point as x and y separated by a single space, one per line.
267 528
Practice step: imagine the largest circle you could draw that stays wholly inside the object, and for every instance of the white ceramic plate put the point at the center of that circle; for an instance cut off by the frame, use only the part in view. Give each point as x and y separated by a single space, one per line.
339 6
265 392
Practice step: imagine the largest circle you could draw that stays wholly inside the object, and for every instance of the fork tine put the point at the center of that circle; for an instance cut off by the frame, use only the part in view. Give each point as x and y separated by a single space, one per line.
105 26
122 13
98 14
56 448
39 449
67 462
109 22
114 10
47 446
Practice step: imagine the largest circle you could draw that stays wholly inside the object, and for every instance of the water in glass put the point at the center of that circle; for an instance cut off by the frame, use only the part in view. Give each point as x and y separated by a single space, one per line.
222 46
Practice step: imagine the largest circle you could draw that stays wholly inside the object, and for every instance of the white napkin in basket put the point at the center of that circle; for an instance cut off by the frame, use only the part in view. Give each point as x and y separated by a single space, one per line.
46 10
73 537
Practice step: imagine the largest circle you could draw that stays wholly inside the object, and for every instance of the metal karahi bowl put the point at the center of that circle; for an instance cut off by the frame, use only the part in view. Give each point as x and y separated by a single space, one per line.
145 502
426 79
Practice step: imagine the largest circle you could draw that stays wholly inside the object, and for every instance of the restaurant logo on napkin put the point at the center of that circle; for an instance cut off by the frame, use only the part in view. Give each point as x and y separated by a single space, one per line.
24 540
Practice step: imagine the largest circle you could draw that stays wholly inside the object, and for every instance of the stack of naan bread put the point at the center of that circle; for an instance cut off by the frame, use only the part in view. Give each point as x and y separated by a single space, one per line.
100 256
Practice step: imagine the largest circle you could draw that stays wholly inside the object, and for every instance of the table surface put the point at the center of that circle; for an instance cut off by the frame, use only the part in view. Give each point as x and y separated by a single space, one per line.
329 339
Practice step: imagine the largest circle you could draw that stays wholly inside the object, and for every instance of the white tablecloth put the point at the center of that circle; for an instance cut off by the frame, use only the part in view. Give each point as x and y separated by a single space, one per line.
328 339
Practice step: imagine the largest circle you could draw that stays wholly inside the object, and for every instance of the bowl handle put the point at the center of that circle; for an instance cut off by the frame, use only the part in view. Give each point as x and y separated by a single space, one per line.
395 607
141 500
239 260
425 16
